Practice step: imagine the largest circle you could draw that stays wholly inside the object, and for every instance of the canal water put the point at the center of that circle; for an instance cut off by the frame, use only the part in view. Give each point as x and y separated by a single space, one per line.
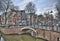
18 38
1 37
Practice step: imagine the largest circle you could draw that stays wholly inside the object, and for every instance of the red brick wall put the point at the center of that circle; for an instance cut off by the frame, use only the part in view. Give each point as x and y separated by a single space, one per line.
11 30
47 34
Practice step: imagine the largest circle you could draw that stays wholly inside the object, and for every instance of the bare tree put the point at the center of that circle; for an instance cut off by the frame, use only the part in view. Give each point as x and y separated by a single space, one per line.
58 9
30 8
5 6
58 14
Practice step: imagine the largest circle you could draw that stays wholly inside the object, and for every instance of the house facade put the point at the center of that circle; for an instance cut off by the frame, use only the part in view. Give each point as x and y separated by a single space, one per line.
14 17
20 18
48 23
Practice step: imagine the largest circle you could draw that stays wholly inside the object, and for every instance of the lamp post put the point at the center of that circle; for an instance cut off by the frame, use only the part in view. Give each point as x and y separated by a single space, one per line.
36 36
57 27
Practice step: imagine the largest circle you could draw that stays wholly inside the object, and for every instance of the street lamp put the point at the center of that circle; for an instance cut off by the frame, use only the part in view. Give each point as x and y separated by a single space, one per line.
57 26
36 36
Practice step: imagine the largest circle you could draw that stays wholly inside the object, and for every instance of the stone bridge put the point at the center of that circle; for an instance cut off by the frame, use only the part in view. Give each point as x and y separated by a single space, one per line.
45 34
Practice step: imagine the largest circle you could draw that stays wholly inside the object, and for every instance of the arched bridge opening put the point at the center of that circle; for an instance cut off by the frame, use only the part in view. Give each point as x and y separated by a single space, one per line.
29 30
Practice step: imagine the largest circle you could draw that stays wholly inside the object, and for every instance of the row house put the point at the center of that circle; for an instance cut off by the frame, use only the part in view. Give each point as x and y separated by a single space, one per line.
18 17
14 17
0 20
3 19
47 23
31 19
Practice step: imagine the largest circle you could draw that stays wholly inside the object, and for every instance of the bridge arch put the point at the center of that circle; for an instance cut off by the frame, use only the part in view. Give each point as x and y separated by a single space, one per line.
33 32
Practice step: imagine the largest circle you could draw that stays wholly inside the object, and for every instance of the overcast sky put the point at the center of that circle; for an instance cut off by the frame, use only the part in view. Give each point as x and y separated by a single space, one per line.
41 5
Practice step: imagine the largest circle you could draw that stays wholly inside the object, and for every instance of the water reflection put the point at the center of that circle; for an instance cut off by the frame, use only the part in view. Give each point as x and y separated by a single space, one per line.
1 37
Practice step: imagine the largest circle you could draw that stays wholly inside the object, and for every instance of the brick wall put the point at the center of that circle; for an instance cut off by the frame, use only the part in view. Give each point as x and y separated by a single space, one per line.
47 34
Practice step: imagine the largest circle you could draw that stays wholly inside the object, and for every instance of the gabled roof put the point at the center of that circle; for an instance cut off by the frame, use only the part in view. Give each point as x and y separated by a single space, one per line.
17 10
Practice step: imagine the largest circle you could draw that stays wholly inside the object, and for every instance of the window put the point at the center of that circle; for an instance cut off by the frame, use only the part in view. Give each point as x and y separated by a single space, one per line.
28 16
15 15
20 23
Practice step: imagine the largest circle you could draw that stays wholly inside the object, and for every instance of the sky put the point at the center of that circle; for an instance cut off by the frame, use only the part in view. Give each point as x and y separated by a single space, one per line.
41 5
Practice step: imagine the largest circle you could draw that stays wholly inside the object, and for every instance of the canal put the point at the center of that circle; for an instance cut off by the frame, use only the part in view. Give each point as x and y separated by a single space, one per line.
19 38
